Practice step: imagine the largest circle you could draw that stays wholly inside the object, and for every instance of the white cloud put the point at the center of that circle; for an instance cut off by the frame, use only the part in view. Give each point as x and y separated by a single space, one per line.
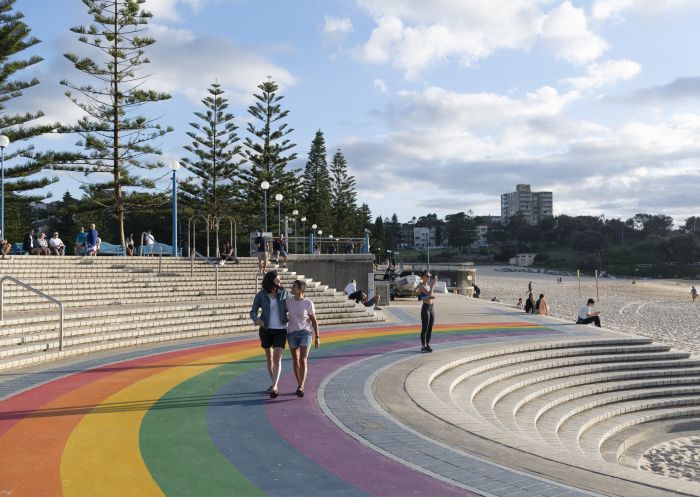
414 35
605 73
380 85
185 63
605 9
333 26
565 30
171 10
462 143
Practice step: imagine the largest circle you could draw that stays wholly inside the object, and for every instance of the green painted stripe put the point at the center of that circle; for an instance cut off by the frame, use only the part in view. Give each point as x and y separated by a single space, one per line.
176 447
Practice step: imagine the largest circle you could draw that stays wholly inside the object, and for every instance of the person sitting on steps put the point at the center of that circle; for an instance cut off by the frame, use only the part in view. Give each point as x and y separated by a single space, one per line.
360 296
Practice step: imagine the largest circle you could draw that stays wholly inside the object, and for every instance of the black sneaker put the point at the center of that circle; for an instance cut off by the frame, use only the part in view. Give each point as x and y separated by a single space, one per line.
424 349
377 308
428 349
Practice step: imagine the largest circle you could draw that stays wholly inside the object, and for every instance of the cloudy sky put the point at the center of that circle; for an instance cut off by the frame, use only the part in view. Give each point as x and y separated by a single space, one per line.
438 106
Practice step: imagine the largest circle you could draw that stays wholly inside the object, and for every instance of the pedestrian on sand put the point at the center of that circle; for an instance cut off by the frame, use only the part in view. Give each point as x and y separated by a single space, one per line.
272 303
530 304
529 287
302 323
427 312
693 294
519 305
587 315
542 305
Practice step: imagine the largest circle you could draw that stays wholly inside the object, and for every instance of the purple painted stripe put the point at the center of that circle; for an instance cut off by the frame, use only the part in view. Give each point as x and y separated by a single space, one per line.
341 454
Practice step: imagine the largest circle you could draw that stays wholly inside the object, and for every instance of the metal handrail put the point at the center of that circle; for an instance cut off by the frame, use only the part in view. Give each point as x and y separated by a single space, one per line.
196 254
38 292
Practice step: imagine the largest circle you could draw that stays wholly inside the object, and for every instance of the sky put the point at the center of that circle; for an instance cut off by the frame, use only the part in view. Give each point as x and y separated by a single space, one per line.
439 106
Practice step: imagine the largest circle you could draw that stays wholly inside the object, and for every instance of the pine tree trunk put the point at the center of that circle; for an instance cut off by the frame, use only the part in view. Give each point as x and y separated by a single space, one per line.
118 195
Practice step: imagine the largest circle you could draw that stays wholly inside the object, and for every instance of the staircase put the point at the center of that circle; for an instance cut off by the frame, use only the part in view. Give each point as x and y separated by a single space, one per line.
599 404
113 302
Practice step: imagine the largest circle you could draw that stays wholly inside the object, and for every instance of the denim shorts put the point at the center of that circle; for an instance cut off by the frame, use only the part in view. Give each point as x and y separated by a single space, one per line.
299 338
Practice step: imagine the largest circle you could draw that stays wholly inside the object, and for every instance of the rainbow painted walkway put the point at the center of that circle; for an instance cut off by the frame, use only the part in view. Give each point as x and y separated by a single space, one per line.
194 422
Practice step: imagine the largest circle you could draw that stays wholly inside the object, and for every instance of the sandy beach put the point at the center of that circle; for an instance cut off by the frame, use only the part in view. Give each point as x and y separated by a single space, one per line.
659 309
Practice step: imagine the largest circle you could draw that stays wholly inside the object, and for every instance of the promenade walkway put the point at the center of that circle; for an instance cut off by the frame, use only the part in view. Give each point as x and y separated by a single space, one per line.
192 420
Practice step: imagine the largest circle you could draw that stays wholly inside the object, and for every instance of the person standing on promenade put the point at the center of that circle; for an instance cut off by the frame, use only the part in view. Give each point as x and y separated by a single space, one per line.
587 315
530 304
302 322
91 241
272 303
427 313
80 239
693 294
542 306
261 249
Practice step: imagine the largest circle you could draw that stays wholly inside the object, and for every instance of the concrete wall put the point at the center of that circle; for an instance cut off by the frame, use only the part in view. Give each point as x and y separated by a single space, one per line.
335 270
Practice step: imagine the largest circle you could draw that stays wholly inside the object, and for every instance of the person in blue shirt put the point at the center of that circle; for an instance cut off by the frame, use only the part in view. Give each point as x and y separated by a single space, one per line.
91 241
271 301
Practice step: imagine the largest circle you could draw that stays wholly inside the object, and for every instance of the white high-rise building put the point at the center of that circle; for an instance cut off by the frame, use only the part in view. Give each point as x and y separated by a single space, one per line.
534 206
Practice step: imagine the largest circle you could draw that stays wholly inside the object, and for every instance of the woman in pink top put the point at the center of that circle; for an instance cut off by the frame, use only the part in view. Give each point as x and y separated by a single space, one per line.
302 323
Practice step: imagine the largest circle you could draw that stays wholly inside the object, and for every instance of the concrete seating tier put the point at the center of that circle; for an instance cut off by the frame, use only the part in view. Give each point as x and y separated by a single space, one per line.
115 302
594 404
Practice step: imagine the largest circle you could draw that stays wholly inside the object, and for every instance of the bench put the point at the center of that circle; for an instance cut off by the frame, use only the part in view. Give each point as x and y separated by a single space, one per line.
17 248
110 249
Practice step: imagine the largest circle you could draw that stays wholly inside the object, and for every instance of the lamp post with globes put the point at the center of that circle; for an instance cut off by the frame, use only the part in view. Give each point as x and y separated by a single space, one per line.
265 186
303 229
279 198
320 241
295 213
313 233
174 166
4 142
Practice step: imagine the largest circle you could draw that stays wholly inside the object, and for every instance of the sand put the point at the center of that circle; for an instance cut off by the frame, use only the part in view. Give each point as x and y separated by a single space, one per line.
659 309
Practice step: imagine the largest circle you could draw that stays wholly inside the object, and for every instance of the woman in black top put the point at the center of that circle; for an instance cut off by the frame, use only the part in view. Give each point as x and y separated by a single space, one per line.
530 304
427 313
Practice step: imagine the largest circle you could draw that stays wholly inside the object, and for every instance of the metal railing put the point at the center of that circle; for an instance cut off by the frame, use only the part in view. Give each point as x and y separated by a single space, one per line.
197 255
36 291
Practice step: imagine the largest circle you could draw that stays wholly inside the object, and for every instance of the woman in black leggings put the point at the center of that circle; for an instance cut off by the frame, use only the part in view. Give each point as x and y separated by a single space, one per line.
427 314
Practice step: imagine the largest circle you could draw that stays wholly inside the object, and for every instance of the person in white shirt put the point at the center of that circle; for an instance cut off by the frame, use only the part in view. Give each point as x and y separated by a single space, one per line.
302 323
56 245
350 287
587 315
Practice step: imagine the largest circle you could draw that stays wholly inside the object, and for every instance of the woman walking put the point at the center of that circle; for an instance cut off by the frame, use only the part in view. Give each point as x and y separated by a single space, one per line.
302 322
272 301
427 313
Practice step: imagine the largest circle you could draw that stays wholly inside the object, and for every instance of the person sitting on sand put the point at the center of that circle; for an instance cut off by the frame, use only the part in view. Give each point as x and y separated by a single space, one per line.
587 315
519 305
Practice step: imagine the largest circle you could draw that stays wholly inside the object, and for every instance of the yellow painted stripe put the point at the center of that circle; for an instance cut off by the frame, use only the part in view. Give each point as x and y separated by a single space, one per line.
102 456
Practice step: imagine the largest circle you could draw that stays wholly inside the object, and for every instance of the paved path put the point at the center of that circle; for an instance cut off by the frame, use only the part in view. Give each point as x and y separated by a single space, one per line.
191 420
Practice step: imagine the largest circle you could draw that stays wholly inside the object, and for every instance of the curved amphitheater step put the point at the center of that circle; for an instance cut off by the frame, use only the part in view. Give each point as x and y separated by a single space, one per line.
115 302
598 404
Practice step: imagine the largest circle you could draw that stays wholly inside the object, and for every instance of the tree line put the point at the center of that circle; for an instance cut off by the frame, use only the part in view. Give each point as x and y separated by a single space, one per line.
118 141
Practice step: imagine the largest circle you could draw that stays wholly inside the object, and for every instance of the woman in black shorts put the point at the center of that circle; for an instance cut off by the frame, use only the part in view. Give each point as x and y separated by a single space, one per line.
427 314
272 301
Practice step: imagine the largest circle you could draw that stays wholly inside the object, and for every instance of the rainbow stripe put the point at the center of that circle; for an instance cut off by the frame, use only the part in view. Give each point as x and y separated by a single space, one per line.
194 422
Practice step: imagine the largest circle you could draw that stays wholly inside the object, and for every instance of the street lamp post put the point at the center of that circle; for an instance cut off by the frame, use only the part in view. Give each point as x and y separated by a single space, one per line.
295 213
265 185
313 233
279 198
4 142
303 220
174 166
320 241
